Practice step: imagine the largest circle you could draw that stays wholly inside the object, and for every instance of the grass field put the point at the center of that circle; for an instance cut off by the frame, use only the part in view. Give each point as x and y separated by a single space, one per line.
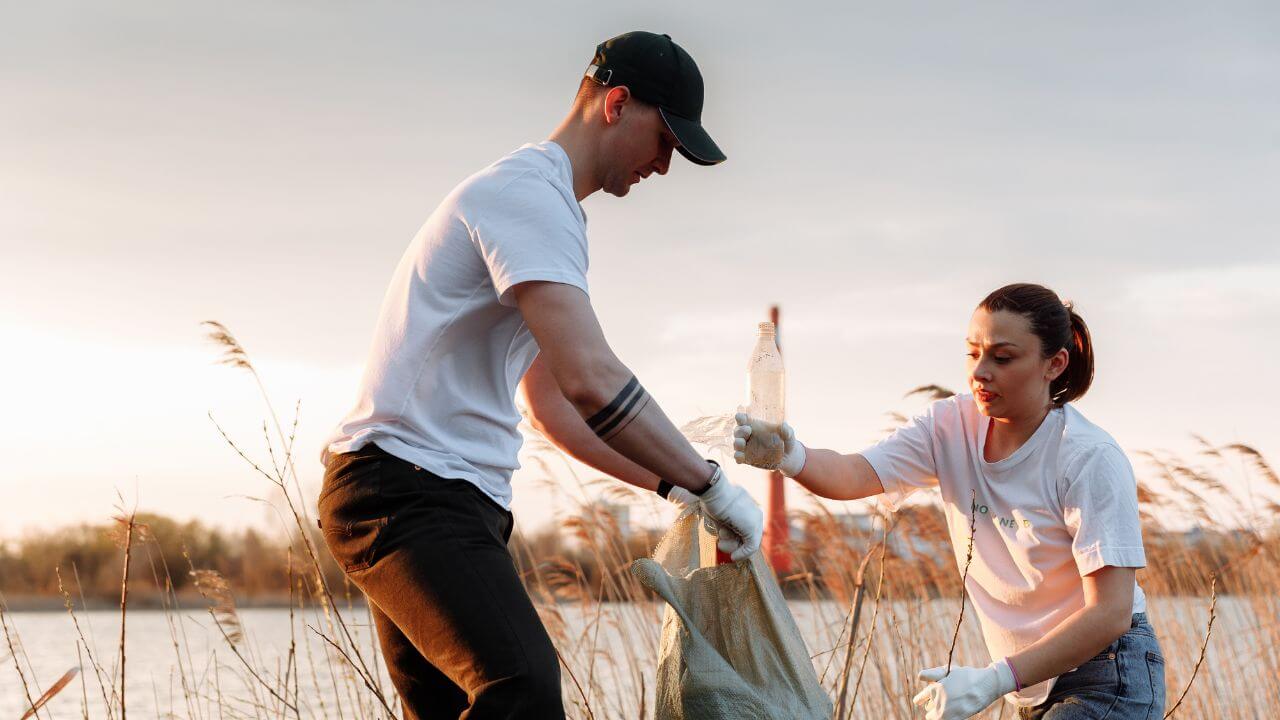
1215 604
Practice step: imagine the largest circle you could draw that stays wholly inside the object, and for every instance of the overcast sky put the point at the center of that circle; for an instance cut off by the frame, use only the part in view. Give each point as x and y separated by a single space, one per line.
266 164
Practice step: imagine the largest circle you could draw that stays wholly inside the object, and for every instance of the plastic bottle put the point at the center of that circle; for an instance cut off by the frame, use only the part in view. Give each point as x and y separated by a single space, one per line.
766 390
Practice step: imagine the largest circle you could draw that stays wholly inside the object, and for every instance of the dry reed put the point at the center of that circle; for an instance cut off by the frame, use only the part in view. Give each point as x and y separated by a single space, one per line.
605 625
964 576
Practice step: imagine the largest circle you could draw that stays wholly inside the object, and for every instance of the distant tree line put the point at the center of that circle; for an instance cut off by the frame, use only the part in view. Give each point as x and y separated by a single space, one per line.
579 556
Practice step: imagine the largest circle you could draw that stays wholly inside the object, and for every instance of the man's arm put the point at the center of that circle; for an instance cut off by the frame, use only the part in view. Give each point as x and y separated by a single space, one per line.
556 418
615 406
620 413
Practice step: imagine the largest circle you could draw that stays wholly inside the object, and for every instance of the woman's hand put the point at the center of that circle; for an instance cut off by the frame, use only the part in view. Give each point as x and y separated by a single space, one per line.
825 473
965 692
767 446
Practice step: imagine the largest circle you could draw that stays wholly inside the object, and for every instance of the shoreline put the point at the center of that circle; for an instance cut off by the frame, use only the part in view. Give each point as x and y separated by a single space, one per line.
55 603
185 603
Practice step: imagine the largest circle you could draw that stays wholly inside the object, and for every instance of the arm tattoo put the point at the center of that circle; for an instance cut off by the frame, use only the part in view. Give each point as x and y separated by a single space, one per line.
620 411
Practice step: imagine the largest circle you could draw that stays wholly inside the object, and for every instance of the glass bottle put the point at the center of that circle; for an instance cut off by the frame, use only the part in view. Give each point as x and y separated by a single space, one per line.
766 390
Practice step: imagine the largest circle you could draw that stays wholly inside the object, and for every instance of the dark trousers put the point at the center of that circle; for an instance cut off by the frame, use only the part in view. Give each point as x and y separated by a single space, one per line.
459 634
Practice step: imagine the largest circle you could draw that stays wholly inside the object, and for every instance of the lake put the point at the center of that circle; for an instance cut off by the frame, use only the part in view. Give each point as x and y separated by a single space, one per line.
610 649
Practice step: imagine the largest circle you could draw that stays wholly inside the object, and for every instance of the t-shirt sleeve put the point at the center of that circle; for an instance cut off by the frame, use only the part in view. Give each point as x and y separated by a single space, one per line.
1100 509
526 232
904 461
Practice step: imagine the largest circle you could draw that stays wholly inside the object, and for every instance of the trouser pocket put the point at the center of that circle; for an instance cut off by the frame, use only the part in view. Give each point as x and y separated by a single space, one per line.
353 516
355 545
1155 670
1100 673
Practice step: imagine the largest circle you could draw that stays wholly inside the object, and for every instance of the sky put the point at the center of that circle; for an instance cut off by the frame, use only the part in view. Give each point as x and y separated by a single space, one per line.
266 164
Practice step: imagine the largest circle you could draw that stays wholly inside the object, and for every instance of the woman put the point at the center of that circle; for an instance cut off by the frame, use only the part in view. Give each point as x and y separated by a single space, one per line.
1057 537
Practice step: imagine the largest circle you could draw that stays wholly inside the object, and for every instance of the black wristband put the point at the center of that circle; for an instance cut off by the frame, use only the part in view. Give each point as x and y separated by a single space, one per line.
664 489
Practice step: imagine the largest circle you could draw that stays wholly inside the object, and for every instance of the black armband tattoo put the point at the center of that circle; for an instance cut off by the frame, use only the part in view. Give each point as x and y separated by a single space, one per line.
620 411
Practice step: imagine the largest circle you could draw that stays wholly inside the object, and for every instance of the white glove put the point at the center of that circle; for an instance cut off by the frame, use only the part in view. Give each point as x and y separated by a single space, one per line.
965 692
739 522
751 430
680 497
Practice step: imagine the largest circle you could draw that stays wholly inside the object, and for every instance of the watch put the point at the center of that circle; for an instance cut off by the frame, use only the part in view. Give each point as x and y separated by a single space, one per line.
716 475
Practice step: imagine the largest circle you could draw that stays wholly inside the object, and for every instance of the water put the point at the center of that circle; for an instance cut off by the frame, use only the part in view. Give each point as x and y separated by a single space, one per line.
157 670
608 662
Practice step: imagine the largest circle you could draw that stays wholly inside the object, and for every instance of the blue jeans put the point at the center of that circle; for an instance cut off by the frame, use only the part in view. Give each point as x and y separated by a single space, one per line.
1123 682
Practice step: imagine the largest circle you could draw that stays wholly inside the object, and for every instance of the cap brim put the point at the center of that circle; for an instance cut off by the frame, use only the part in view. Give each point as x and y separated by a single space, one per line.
695 143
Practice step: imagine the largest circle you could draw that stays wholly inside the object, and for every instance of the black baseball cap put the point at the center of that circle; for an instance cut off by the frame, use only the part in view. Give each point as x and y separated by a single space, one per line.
659 72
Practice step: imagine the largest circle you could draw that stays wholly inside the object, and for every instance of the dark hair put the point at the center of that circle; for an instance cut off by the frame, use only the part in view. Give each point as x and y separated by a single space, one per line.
1058 326
589 90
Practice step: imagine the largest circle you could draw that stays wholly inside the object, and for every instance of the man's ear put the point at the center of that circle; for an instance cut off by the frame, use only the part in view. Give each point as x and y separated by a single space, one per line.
614 101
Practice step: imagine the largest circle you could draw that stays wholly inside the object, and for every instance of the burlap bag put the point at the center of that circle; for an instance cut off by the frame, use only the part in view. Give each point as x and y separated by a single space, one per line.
730 649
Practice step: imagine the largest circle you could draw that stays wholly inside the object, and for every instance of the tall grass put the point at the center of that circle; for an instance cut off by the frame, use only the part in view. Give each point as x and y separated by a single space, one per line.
605 625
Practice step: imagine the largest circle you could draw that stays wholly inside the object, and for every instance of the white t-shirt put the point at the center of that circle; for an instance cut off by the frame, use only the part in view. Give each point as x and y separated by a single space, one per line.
1060 507
450 346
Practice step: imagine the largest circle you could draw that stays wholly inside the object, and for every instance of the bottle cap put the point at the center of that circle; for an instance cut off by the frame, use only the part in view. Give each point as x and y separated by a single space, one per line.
766 328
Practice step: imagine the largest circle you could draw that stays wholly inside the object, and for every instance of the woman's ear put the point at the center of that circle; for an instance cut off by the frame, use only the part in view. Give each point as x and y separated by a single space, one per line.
1057 365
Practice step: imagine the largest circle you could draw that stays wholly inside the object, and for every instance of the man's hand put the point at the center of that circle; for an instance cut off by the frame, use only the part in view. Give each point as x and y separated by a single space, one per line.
733 510
753 432
965 692
681 498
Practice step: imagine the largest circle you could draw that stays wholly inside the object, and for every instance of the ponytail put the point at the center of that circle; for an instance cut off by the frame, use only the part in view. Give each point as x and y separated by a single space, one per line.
1074 382
1058 326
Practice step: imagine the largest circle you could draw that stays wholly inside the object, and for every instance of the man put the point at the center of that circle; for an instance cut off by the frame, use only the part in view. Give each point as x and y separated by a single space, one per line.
492 292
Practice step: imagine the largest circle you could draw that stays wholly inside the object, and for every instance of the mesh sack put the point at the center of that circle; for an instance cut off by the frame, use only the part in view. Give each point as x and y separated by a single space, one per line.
729 647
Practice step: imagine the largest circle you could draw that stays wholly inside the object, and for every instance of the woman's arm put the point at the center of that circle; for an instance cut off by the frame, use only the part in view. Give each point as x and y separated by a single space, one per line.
964 691
1100 510
906 459
556 418
1106 615
830 474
